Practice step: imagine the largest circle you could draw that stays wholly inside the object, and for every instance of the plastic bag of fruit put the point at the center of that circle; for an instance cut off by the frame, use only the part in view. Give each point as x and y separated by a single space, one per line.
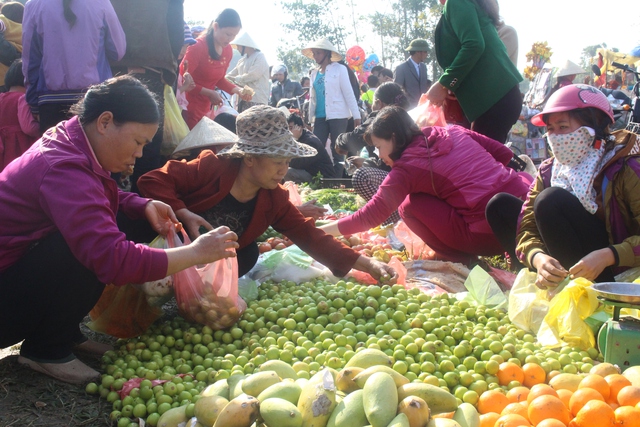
123 312
208 295
159 291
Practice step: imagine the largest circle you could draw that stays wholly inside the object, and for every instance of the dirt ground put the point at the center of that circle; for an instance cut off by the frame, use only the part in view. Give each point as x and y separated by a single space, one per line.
28 398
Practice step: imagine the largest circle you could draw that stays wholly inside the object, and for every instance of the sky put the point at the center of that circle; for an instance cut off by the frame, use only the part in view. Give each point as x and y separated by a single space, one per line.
568 26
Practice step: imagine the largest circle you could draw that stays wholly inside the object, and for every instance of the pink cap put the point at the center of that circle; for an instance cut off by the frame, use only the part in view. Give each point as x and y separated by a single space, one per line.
573 97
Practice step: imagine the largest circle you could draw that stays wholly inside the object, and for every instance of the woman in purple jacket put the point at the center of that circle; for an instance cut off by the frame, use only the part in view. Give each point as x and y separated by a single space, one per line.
59 242
440 181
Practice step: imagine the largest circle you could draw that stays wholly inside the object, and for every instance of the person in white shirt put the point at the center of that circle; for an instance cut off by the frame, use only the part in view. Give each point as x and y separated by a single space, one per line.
252 70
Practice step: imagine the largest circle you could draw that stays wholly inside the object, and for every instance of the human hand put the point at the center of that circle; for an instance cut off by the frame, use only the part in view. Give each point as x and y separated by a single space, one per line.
590 266
192 222
437 93
378 270
160 216
356 161
296 131
243 93
356 122
187 83
214 97
311 210
215 245
550 272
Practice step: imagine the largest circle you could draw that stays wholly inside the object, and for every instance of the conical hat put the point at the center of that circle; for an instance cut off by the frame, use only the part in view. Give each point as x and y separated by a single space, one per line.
324 44
569 68
206 133
245 40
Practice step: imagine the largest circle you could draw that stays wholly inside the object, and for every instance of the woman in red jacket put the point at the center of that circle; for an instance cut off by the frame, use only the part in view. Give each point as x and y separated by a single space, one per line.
240 187
207 62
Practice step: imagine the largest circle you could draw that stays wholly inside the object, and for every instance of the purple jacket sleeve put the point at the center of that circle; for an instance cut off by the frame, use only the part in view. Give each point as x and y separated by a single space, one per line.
115 42
75 201
391 193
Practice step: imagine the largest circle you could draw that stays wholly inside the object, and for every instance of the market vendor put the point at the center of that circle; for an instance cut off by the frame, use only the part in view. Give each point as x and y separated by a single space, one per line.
440 181
59 242
240 187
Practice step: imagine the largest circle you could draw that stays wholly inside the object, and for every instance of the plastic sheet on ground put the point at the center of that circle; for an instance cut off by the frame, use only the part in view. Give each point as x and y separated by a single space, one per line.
436 277
291 263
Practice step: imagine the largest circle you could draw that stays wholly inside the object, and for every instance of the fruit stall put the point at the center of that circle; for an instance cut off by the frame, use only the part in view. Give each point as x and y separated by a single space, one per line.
343 352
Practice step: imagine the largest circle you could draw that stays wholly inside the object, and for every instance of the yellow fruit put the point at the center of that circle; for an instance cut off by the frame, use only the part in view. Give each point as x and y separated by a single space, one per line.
467 416
207 408
318 399
380 399
565 381
219 388
255 384
280 413
416 410
287 390
400 420
363 376
239 412
173 417
604 369
439 400
633 375
369 357
283 369
349 412
442 422
235 385
344 380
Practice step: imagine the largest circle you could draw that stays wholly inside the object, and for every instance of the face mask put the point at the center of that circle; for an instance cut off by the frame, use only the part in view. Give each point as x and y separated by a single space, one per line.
571 148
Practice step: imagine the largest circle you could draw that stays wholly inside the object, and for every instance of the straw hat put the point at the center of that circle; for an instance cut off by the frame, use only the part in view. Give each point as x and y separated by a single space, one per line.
245 40
206 133
322 44
570 68
263 131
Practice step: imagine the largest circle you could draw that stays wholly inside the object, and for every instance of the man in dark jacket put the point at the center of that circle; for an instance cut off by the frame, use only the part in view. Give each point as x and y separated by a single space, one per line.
412 74
282 88
305 168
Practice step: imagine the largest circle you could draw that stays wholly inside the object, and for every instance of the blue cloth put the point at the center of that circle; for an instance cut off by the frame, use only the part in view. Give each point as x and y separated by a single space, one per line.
318 86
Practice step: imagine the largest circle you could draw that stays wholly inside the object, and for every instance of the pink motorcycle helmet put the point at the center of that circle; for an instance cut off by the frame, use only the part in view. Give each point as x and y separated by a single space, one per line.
573 97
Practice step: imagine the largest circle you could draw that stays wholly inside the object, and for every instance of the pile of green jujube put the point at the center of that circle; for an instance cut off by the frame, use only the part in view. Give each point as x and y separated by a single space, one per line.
434 340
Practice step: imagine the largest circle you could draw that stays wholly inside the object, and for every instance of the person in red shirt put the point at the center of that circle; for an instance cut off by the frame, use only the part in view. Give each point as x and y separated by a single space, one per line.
208 61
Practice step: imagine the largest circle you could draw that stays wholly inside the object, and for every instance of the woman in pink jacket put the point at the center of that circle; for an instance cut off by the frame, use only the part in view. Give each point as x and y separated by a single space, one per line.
440 181
59 241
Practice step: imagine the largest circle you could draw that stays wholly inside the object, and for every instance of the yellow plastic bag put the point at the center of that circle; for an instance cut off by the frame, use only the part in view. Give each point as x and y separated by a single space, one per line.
528 305
565 323
175 129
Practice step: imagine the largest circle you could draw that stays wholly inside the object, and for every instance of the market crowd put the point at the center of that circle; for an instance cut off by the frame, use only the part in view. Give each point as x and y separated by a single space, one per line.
86 177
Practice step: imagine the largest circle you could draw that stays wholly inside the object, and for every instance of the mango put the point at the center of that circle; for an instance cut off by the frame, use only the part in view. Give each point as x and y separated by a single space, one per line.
363 376
207 408
416 410
438 400
467 416
173 417
256 383
283 369
632 374
345 382
239 412
442 422
287 390
318 399
400 420
380 399
235 385
369 357
566 381
278 412
349 412
220 388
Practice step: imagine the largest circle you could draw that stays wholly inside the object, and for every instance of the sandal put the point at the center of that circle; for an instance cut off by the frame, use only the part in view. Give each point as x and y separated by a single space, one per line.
70 371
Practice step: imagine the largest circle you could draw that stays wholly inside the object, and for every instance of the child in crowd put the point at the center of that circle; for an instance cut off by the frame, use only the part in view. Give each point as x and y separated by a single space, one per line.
18 128
580 218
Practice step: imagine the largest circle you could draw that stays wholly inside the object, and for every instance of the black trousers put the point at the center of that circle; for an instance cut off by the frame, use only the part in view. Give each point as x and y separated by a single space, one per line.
52 114
497 121
323 128
43 299
568 231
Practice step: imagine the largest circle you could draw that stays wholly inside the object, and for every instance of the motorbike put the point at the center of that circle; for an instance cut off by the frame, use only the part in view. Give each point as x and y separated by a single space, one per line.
633 122
621 104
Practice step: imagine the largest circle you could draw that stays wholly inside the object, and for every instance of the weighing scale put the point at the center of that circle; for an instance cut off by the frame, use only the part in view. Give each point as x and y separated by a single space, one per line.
619 337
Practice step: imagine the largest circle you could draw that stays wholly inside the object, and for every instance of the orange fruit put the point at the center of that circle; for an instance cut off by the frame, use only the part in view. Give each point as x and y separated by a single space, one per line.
595 413
613 405
533 374
489 419
616 383
597 383
565 396
581 397
547 406
541 390
512 420
629 396
627 416
515 408
550 422
509 371
492 401
518 394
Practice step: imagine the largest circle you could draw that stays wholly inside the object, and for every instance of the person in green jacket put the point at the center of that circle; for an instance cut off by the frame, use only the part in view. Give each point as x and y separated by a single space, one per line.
477 68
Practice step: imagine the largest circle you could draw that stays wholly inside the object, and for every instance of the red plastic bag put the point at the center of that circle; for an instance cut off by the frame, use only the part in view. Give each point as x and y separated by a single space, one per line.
413 244
428 114
208 295
294 195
